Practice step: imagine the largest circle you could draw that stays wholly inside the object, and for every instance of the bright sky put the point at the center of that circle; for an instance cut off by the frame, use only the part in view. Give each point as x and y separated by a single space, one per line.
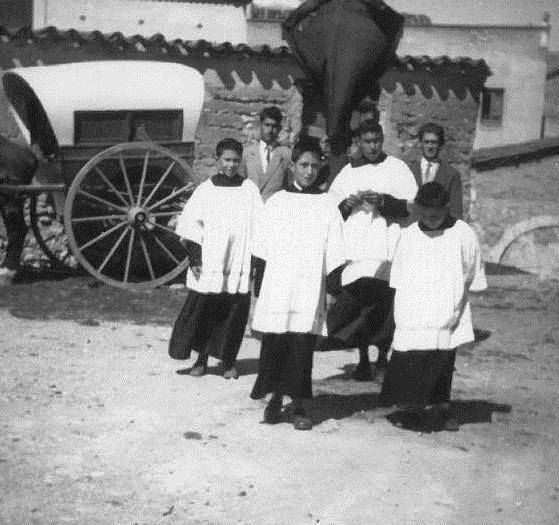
513 12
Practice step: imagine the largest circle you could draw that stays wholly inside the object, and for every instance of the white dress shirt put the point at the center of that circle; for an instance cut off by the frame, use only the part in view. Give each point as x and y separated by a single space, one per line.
264 157
428 170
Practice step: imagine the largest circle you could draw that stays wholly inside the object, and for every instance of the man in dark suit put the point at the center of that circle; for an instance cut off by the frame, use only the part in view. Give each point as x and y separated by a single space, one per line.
266 163
431 168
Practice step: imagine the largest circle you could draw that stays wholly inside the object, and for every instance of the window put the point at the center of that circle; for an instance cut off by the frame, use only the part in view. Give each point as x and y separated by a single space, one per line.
492 105
111 127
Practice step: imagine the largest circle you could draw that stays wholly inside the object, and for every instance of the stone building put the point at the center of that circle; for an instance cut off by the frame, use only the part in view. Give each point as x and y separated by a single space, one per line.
241 80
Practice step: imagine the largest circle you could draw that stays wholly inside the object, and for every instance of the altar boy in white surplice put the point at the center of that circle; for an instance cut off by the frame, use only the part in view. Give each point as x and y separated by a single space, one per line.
216 226
437 263
298 247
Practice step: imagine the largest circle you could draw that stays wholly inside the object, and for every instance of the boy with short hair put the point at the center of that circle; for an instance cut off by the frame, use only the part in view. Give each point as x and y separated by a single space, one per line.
436 264
217 226
297 245
373 193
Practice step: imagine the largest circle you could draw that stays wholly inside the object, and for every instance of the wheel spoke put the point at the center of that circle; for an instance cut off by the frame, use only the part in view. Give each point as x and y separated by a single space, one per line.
161 227
143 179
159 182
101 236
188 187
126 180
146 255
113 250
111 185
99 218
102 201
129 255
166 213
165 249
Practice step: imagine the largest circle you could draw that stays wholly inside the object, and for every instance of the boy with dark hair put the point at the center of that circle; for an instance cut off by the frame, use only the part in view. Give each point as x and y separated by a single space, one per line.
297 245
436 264
266 162
372 191
217 227
431 167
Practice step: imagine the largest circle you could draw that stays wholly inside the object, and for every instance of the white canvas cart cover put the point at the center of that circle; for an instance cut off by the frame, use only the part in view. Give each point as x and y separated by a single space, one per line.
57 91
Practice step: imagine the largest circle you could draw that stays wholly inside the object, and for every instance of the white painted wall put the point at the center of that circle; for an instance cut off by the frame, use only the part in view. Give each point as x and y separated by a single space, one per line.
187 21
517 57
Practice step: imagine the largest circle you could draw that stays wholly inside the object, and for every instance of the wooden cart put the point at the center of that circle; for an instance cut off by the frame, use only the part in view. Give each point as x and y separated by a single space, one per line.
119 139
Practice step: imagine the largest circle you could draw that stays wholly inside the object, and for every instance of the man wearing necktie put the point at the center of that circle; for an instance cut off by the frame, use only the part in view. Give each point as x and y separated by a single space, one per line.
431 168
266 163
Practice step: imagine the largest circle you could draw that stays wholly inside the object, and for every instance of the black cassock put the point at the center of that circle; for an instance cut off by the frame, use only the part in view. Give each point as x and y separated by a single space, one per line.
344 46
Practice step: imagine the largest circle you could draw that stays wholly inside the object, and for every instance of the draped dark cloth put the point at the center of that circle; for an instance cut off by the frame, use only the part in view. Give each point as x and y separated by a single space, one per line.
17 166
344 47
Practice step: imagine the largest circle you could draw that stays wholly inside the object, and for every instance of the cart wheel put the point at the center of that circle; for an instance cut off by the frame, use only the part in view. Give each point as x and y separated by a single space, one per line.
121 211
48 230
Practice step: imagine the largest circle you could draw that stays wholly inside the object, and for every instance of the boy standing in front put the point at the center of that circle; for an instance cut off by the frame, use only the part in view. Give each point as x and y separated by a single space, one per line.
298 245
372 191
436 264
217 226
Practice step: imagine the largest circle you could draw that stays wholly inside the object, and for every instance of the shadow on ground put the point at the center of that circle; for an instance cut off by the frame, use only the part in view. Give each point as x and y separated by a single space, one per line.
462 411
47 294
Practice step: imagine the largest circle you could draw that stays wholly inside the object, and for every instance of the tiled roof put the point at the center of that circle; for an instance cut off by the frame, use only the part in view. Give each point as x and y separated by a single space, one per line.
51 45
25 35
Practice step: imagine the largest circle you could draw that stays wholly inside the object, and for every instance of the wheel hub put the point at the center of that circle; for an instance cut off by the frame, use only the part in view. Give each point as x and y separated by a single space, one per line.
140 218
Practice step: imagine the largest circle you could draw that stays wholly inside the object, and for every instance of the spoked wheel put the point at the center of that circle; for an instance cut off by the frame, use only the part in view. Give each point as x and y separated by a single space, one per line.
121 211
48 230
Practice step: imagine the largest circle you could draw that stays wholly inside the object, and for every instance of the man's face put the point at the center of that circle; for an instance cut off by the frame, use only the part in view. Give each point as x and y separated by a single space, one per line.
430 146
305 169
229 162
431 217
269 130
370 144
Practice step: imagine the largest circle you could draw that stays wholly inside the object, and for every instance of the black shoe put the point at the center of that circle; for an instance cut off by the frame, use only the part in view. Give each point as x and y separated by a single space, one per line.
362 372
301 422
273 413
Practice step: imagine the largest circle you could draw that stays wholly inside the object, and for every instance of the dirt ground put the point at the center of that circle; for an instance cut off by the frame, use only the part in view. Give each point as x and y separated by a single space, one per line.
98 425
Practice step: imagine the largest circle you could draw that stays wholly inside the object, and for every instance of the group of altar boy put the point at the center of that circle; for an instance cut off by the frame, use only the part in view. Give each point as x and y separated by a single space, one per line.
379 256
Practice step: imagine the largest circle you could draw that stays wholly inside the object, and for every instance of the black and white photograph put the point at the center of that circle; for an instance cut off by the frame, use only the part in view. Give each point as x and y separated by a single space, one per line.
279 262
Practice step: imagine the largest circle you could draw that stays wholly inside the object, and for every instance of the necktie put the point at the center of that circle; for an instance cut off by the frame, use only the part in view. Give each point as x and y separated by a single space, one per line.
429 172
268 155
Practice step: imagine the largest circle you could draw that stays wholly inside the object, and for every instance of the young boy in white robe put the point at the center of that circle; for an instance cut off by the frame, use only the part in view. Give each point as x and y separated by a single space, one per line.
436 264
217 226
373 192
298 246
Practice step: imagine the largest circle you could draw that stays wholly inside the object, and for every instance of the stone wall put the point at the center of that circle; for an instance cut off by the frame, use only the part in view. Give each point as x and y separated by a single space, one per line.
402 115
235 113
522 200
